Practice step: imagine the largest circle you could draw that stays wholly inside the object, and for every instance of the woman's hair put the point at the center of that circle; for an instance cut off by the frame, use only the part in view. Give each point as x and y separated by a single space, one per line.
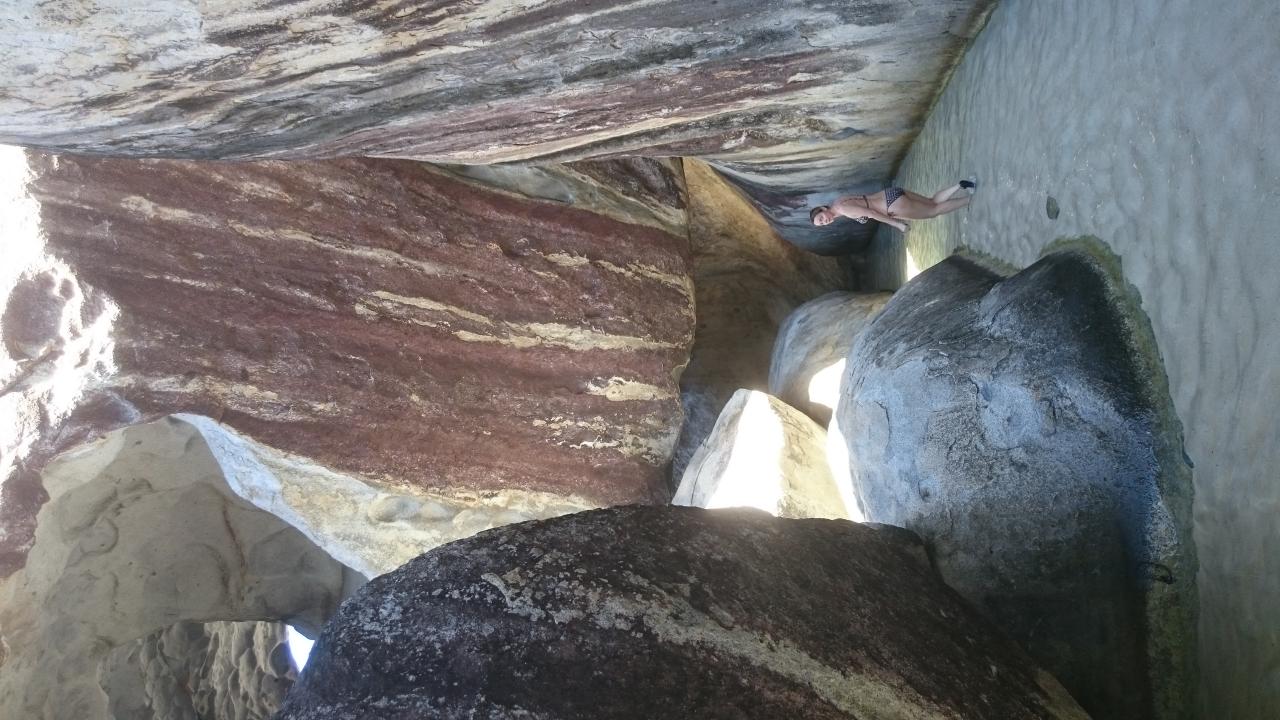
813 214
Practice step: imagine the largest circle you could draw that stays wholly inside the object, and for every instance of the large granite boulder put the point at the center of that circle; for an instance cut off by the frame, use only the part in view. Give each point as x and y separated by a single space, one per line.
1019 425
505 347
765 454
747 281
809 355
784 94
669 612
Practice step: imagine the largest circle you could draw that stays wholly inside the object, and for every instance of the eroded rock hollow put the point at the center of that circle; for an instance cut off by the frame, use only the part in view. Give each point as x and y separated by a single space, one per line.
143 533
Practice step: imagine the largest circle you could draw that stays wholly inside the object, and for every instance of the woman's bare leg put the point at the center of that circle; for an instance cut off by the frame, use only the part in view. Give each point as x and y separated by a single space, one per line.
943 195
947 206
917 207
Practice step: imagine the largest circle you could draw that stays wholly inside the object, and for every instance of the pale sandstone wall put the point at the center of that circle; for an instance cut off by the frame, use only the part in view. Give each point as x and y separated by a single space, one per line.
143 530
747 280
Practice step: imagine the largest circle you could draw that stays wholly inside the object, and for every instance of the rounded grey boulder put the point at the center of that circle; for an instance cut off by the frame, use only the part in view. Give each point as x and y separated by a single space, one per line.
1019 426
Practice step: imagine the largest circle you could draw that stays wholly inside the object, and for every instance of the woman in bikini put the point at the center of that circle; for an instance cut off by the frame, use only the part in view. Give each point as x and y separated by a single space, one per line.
893 205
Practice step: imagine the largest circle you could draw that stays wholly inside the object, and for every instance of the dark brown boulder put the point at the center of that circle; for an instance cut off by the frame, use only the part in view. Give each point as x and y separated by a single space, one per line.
669 612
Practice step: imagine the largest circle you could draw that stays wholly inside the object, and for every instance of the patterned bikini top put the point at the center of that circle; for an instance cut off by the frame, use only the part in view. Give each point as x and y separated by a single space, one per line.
864 218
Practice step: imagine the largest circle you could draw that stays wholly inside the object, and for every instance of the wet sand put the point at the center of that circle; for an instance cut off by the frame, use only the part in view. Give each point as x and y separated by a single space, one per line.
1154 126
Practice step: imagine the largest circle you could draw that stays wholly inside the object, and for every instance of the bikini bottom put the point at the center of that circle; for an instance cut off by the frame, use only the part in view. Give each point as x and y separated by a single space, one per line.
891 195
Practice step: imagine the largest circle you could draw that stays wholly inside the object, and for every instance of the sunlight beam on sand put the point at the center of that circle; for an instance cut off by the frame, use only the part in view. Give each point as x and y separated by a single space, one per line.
824 386
838 461
913 269
759 443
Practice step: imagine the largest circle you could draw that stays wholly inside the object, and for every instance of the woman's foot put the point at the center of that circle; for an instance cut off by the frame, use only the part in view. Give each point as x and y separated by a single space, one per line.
971 184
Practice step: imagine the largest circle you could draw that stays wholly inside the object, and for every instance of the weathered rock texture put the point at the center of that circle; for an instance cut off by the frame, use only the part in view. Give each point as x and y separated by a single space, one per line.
143 531
765 454
747 280
1013 423
784 94
669 612
199 671
381 319
809 355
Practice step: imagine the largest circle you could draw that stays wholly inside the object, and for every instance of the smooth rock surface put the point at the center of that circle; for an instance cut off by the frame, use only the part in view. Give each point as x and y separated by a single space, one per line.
1018 425
809 355
669 612
765 454
194 671
144 531
1175 164
747 280
512 346
784 94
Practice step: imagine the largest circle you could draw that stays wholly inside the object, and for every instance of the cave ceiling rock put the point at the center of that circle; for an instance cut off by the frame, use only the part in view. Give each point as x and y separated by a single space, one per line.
795 100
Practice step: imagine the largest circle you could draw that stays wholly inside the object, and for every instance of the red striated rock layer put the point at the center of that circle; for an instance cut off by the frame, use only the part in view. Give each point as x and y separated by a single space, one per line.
382 318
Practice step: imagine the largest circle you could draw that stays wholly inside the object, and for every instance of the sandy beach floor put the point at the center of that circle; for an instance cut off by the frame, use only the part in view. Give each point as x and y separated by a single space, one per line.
1155 126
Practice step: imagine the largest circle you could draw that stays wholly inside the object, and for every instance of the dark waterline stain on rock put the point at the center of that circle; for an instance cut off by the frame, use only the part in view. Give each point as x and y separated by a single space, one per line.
631 62
872 14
